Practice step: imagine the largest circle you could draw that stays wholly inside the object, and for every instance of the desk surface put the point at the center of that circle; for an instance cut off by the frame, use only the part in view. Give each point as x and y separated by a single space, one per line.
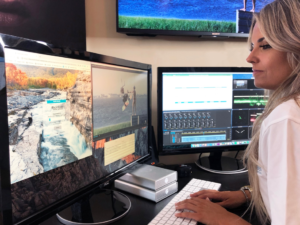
143 211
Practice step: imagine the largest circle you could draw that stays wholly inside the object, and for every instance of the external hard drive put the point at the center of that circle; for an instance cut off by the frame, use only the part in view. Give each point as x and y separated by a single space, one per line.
150 177
152 195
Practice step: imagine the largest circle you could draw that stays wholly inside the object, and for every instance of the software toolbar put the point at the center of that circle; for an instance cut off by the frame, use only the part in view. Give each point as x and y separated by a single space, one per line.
220 144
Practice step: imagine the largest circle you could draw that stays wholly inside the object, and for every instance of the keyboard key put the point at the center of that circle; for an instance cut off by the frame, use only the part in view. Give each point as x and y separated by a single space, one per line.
193 222
168 215
179 219
172 210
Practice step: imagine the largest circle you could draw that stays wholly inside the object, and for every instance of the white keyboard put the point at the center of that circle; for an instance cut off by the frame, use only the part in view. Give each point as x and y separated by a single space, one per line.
167 214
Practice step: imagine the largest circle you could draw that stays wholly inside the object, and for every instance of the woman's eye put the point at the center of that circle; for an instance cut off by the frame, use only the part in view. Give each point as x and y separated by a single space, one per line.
265 46
251 48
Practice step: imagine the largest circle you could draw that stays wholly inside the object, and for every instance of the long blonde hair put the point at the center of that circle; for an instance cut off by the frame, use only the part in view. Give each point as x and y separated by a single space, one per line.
279 23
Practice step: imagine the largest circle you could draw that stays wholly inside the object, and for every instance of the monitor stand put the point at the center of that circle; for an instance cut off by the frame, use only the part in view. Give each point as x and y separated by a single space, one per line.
216 163
100 207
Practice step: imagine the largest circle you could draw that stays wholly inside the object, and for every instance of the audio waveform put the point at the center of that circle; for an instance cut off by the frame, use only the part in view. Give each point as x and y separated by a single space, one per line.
204 132
254 100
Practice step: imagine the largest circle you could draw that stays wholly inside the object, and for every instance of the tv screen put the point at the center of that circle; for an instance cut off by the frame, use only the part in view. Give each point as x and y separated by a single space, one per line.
195 17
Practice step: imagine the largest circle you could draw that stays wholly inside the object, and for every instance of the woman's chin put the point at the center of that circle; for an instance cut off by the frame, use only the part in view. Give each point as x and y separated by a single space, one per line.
258 84
263 85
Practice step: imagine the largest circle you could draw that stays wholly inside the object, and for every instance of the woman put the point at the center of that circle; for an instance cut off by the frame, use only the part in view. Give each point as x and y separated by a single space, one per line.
273 156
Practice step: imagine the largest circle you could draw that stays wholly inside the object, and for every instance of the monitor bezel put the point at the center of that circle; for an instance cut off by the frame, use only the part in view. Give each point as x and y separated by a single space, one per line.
23 44
5 186
160 71
152 32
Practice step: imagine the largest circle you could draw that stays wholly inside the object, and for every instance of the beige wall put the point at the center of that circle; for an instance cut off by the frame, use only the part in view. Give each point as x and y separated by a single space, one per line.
158 51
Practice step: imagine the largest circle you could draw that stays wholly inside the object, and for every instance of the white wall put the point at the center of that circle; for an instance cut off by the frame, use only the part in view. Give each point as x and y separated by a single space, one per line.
158 51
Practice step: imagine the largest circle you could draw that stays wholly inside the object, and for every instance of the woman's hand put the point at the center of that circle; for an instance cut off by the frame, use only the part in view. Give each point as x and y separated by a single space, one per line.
227 199
206 212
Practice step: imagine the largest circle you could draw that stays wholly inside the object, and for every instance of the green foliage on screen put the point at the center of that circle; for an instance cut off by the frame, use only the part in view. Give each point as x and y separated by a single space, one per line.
176 24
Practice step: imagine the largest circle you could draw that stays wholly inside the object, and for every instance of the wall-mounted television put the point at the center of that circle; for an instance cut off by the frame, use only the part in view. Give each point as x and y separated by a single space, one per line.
223 18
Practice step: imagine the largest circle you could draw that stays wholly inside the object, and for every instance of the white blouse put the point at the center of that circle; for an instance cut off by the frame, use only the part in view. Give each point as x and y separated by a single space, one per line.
279 155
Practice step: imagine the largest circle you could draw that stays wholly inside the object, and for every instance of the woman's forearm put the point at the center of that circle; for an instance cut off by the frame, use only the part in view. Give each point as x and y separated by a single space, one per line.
234 220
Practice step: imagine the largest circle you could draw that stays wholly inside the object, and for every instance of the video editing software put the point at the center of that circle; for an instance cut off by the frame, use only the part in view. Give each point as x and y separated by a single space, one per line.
209 109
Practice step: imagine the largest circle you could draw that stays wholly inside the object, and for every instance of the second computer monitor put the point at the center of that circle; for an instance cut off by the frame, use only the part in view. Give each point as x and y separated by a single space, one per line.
206 109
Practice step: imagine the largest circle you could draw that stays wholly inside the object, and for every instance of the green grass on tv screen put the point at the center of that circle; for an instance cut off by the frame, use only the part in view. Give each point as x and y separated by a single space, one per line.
176 24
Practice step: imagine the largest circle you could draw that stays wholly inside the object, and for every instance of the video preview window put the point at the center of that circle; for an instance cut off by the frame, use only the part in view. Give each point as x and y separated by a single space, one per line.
119 100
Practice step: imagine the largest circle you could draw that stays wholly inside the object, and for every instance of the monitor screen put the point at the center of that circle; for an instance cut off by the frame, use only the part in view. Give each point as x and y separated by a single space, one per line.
71 123
207 108
193 17
120 100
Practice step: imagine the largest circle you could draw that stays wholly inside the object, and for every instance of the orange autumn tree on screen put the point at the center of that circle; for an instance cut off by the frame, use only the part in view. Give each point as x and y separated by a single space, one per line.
55 83
15 78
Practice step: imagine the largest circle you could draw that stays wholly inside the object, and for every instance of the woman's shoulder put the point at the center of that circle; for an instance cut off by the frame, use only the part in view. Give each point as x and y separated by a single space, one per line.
289 110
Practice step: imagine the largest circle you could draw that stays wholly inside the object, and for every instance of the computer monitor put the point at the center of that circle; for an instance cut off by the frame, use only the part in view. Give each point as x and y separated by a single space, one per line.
207 109
70 121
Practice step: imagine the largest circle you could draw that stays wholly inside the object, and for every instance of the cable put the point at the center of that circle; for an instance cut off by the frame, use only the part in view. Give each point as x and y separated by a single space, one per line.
236 154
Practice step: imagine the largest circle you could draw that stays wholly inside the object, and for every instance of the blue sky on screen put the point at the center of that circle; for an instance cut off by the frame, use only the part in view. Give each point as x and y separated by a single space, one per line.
221 10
